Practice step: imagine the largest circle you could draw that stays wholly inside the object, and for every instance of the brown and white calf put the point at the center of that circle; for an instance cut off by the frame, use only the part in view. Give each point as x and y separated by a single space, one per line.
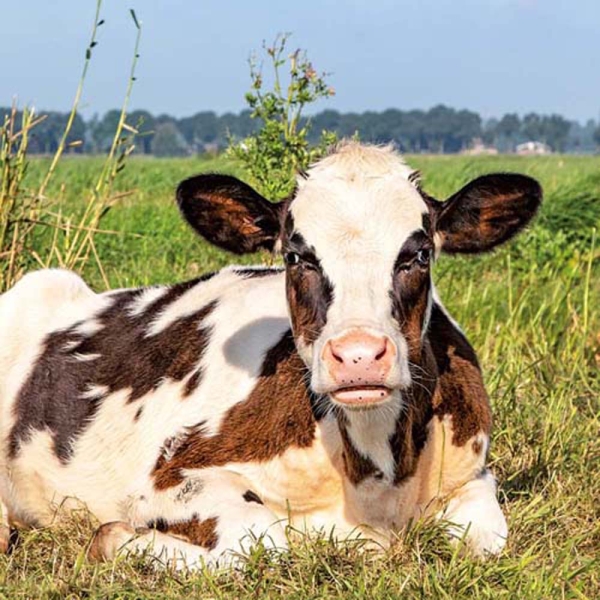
336 393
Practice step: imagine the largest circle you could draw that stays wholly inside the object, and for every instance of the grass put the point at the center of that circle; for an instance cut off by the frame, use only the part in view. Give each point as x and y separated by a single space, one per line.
530 310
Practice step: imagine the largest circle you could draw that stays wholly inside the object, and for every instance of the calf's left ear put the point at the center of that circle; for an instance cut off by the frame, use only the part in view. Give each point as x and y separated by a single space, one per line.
486 212
228 213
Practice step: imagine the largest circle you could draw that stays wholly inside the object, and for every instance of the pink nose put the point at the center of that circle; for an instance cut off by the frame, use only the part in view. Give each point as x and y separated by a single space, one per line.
359 359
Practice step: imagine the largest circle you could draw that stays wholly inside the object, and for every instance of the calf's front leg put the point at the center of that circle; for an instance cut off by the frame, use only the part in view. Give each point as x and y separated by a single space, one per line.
211 518
473 512
120 538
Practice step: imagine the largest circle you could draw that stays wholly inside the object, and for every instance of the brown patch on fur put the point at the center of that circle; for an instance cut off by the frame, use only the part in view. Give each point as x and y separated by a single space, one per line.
276 415
463 394
309 290
411 432
410 290
477 446
309 295
357 467
411 320
54 396
198 532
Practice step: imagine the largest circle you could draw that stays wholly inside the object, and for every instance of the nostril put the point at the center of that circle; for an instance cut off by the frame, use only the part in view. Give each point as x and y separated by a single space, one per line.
383 350
336 355
358 353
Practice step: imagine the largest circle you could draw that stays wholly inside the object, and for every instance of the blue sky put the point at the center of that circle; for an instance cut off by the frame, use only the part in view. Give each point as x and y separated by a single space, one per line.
492 56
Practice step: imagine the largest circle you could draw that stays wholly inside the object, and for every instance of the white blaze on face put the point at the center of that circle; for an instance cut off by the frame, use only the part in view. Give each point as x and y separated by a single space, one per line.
356 208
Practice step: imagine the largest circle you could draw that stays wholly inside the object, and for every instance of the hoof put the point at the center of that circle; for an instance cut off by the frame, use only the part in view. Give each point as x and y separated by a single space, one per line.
109 539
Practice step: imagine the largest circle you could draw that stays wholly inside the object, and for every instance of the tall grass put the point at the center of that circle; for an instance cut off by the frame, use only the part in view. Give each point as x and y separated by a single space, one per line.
18 209
34 225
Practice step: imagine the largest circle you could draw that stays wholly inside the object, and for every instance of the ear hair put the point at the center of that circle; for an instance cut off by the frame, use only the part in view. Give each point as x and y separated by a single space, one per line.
229 213
486 212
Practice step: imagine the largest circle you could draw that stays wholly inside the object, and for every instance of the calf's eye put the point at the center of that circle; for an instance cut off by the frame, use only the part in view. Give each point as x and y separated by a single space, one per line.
423 257
291 258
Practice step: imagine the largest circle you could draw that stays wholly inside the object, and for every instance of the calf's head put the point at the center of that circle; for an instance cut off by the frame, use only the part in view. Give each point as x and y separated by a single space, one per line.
358 237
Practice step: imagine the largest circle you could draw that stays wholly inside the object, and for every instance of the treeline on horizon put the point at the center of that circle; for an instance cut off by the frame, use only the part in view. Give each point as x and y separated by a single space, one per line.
440 130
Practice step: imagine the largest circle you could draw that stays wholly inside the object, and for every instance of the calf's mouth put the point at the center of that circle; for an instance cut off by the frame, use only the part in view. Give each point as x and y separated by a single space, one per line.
355 396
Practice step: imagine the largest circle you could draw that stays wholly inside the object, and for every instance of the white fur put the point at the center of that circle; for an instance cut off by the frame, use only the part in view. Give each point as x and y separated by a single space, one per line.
81 357
95 391
474 512
195 297
370 433
148 297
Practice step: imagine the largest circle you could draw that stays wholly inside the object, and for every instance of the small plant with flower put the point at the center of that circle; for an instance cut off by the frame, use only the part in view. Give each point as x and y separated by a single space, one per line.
280 148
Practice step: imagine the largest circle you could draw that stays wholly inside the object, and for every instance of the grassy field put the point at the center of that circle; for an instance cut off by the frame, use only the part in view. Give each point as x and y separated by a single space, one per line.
531 311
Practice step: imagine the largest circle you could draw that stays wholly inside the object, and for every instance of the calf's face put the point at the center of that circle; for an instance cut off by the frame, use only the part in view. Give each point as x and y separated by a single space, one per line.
357 246
358 237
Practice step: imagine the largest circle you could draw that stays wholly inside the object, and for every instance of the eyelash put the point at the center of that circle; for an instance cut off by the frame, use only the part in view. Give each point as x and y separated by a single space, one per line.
422 259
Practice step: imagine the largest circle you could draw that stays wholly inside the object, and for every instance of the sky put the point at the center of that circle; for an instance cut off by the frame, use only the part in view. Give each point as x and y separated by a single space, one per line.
491 56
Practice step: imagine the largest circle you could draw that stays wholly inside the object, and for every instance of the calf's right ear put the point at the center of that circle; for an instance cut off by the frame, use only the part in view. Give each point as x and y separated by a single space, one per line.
486 212
229 213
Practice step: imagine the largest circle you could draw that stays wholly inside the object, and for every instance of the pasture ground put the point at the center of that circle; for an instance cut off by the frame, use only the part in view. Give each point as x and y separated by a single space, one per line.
531 310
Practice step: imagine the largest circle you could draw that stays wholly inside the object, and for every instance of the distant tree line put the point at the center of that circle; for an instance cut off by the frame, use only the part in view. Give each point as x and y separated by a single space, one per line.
438 130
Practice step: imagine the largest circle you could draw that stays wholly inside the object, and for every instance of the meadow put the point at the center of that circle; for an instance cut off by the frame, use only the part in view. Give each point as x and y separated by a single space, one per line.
531 311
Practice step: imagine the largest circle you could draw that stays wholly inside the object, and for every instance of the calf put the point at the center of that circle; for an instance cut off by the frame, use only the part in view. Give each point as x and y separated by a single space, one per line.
335 394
